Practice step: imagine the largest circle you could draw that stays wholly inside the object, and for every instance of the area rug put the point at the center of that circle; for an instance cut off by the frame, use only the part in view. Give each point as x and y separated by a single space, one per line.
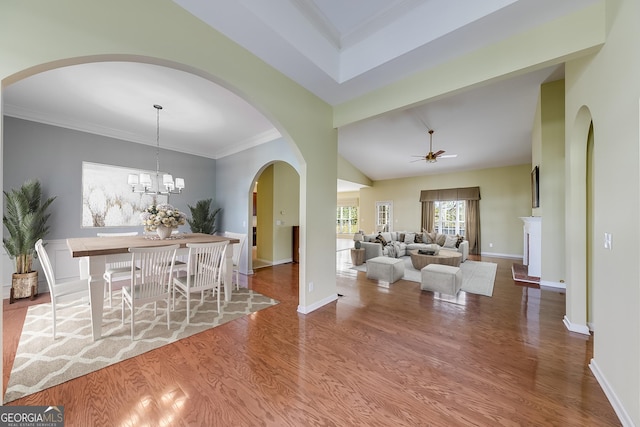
478 277
42 362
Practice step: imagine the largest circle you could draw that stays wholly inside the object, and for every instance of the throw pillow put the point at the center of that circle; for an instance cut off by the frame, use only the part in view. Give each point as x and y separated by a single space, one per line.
440 239
381 240
400 237
460 240
450 242
418 238
409 237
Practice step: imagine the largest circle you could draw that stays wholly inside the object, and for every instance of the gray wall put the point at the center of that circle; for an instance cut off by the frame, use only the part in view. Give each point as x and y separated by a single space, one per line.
234 187
54 155
236 175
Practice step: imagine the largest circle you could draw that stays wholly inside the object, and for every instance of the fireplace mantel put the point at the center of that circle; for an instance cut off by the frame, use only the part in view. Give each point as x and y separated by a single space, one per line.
532 256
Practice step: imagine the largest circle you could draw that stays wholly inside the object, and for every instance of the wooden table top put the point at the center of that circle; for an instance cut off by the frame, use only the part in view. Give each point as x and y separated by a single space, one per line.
444 257
92 246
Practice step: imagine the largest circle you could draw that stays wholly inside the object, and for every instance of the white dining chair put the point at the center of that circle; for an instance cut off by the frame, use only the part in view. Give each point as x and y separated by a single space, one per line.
69 292
204 272
237 252
180 263
152 283
117 269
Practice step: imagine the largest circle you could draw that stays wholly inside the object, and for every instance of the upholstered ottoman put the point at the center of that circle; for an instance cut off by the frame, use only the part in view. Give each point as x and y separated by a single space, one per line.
441 278
385 269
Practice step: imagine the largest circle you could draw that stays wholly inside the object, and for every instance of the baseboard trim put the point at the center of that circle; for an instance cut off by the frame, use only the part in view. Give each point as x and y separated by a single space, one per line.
316 305
623 416
499 255
581 329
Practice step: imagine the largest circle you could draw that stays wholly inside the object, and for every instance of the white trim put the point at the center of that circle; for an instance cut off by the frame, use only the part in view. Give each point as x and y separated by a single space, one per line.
377 217
581 329
623 416
316 305
498 255
557 285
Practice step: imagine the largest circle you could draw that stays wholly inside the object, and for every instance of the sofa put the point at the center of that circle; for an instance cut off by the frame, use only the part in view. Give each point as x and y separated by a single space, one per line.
396 244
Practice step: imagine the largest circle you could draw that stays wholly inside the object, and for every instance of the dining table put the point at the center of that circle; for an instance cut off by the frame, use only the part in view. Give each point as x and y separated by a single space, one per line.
102 250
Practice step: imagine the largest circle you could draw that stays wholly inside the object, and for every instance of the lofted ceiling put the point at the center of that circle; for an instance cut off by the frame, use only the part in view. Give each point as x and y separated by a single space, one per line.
338 50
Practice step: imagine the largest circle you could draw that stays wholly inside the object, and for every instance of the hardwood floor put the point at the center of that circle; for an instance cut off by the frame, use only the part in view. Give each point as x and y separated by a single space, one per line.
379 356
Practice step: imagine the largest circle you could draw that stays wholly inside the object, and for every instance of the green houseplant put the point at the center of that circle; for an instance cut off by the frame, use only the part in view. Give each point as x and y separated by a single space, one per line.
26 221
203 220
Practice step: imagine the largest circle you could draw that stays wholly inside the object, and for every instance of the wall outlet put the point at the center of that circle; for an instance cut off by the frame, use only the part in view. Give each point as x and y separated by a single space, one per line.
490 245
310 286
607 240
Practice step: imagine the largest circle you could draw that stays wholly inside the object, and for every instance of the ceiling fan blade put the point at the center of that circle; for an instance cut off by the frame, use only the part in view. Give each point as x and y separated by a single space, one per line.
438 153
448 156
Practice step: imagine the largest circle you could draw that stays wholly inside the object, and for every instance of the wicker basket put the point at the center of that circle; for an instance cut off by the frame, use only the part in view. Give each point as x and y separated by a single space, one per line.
24 286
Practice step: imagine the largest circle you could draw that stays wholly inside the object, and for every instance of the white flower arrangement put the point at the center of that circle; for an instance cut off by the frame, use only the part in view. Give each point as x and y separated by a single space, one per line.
164 214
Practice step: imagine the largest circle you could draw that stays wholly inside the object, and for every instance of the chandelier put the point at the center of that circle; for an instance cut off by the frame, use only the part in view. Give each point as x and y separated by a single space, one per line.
142 183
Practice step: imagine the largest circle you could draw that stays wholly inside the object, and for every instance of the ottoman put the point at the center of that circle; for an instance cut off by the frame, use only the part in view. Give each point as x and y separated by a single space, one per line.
385 269
441 278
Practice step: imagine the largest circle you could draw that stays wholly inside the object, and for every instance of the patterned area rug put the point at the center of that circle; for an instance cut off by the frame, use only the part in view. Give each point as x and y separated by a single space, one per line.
478 277
42 362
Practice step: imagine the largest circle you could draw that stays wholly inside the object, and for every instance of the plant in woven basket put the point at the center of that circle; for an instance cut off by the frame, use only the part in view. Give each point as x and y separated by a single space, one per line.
26 221
203 220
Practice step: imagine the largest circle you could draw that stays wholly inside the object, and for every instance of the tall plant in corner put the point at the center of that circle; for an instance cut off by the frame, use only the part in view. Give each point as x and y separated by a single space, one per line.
203 220
26 219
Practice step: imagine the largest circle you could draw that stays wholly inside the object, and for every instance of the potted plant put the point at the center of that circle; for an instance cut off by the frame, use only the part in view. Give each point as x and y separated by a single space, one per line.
26 222
203 220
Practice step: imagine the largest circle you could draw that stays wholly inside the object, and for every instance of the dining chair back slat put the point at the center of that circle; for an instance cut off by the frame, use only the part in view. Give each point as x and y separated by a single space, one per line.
151 272
68 292
237 253
205 271
118 267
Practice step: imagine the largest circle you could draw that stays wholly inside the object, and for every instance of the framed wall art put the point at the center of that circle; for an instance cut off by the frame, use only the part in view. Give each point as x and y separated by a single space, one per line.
535 187
107 199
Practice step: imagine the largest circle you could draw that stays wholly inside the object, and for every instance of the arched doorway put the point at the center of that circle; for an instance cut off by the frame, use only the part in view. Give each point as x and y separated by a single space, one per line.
276 202
578 231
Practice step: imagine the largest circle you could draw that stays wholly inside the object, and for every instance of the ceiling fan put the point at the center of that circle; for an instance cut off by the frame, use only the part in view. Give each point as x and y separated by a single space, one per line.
432 157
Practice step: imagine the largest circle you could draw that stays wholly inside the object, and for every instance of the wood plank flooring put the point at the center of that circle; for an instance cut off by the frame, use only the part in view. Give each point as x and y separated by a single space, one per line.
379 356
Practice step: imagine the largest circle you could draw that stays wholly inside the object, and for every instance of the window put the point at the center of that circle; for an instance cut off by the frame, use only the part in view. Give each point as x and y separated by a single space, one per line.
449 217
347 220
384 216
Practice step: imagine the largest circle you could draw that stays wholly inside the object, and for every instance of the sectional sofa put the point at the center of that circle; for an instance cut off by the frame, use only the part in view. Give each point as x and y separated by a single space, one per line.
396 244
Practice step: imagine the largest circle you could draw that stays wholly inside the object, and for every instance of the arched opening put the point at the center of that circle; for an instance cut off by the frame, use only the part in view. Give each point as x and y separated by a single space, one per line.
286 149
578 231
590 226
276 215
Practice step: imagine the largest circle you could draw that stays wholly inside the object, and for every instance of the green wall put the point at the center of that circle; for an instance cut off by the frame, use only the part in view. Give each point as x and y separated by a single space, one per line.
278 201
505 197
548 153
604 89
286 201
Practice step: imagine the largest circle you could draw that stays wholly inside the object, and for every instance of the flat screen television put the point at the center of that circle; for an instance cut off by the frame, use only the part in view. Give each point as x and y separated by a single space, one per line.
535 187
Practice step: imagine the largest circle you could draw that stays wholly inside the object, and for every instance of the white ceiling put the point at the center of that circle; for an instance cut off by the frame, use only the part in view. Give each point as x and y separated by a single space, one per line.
338 50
